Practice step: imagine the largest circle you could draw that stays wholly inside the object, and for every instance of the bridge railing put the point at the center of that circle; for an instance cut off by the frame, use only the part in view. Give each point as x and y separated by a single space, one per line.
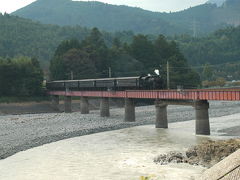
197 94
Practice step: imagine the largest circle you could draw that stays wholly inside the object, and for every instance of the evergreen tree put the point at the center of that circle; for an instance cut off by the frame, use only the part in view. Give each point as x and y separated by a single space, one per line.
78 63
71 59
95 46
142 50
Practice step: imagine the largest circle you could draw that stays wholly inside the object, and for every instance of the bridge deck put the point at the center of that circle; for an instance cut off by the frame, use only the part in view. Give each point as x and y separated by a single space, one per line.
197 94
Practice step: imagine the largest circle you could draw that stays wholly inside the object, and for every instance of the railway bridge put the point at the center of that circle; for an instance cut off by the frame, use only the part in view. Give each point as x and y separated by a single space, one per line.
197 98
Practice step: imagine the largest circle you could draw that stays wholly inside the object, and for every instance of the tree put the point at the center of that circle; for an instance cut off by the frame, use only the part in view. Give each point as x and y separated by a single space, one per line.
142 50
95 46
67 45
156 54
74 61
207 72
78 62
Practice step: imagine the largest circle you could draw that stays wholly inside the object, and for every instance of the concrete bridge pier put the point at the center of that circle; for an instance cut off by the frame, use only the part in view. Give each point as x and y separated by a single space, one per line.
55 102
84 106
67 104
129 110
104 107
161 115
202 117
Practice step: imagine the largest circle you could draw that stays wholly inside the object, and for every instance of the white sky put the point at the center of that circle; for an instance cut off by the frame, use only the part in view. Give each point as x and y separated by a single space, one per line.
153 5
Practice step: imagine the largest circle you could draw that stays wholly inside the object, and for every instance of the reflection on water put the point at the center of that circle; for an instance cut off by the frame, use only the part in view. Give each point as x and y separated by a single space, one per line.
124 154
118 155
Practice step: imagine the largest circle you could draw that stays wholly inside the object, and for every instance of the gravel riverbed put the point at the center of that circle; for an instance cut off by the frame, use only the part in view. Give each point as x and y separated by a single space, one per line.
22 132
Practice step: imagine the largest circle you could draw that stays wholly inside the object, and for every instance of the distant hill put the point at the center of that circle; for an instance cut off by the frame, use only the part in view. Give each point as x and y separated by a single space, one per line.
220 47
19 36
95 14
195 21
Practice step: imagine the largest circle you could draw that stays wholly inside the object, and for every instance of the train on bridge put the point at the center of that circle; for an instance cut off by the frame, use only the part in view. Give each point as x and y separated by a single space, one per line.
106 84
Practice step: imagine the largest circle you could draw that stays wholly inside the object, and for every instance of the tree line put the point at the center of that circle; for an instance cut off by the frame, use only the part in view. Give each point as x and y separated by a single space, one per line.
20 76
91 58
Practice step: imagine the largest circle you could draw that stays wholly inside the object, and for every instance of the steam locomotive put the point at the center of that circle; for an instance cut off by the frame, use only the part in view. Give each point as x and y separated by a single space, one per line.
115 84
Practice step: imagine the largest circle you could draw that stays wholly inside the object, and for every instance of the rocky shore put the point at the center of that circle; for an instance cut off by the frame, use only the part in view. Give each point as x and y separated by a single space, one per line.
24 131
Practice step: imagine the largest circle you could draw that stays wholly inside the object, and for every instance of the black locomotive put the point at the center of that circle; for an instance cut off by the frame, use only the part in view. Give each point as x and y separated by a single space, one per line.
115 84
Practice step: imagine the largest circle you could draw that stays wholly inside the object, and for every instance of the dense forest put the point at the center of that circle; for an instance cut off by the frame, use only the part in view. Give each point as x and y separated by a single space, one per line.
197 21
220 50
20 76
220 47
27 38
91 58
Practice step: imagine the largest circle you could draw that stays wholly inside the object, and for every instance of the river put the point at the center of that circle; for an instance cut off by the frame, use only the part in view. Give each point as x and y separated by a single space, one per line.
125 154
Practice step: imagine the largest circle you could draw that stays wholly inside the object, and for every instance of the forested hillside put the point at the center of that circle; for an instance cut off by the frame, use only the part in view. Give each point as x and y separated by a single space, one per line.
196 21
220 47
27 38
220 50
22 37
95 14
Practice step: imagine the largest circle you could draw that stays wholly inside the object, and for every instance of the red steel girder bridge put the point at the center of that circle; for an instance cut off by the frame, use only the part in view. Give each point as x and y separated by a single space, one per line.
198 98
196 94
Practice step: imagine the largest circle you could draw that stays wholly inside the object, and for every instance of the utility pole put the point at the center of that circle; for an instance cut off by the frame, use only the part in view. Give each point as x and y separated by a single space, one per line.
168 78
109 72
71 75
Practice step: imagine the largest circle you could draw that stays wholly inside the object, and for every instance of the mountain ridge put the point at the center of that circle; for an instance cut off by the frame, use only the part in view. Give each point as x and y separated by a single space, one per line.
197 20
85 13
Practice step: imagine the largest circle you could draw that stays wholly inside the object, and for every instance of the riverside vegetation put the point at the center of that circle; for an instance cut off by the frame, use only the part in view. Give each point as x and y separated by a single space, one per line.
20 76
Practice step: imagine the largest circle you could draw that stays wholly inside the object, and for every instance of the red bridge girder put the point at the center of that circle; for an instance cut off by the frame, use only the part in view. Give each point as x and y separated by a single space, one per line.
197 94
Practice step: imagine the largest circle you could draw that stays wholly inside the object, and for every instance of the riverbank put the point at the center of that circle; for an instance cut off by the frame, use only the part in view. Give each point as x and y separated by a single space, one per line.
207 154
22 132
42 105
23 99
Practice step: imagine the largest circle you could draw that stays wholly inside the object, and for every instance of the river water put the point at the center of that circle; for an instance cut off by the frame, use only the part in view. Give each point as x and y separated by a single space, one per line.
125 154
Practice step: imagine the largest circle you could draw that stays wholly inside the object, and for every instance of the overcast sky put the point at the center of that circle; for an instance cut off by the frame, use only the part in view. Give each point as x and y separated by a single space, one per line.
153 5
